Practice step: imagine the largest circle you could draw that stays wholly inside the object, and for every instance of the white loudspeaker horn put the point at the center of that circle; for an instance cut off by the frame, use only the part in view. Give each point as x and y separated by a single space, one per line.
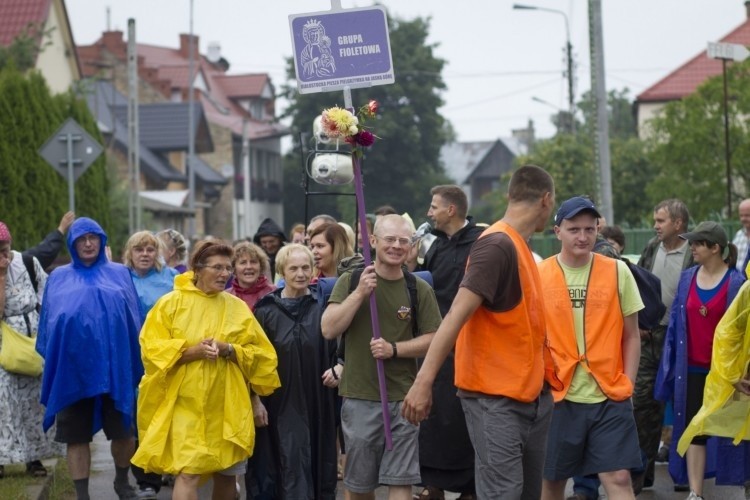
332 169
318 132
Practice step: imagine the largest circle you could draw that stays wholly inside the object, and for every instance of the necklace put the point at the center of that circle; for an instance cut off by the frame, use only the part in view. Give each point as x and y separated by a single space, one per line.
703 310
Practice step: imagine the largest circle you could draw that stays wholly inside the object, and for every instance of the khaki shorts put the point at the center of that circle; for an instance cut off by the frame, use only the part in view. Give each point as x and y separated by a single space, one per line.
368 463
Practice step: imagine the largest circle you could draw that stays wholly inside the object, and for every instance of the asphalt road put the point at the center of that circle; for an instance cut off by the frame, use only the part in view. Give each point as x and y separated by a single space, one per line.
103 475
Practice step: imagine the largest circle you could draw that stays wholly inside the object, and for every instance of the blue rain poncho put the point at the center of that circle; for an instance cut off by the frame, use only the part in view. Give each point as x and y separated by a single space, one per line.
196 418
88 332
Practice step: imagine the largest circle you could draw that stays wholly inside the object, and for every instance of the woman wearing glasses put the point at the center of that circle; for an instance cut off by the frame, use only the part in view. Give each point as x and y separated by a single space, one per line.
200 349
295 453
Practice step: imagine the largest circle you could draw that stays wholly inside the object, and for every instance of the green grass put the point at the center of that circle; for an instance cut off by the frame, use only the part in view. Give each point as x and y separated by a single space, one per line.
62 485
13 485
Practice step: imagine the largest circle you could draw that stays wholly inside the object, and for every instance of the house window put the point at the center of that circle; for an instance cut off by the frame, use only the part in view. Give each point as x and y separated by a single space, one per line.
257 109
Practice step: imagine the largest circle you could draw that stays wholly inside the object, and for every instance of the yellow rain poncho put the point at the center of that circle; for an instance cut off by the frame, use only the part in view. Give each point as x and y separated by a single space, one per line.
725 411
196 417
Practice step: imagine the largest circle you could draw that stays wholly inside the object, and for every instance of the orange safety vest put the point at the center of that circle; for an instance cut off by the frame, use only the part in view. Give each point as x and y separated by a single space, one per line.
505 353
602 331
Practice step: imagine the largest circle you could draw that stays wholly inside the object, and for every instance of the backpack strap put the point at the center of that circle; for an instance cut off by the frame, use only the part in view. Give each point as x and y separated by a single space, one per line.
28 262
411 287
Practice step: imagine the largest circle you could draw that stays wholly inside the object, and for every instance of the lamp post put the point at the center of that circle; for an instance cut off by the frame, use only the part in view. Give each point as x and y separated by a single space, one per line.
568 57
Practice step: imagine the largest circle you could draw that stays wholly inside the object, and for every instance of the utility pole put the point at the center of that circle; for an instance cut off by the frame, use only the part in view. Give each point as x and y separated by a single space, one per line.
601 131
134 156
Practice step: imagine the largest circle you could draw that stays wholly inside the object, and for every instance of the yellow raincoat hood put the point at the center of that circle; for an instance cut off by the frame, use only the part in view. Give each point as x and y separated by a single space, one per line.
725 411
196 417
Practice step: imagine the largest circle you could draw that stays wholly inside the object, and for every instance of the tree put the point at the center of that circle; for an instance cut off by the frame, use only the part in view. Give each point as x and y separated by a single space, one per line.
687 145
570 160
32 195
403 164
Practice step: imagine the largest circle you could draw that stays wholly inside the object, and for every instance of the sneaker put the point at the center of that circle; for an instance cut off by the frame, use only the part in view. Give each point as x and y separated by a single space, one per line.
125 491
694 496
577 496
147 493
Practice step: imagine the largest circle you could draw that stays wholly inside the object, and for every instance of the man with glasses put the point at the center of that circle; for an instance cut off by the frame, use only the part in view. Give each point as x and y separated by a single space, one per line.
88 336
368 464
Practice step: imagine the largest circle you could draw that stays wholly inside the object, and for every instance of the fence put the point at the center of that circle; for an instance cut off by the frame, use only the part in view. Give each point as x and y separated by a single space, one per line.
635 239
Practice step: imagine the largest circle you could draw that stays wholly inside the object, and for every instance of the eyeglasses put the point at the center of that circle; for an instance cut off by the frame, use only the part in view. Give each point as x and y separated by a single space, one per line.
219 268
88 238
392 240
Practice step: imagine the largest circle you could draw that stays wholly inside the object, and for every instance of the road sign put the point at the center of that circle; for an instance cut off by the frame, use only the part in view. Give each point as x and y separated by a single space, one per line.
70 151
341 48
727 51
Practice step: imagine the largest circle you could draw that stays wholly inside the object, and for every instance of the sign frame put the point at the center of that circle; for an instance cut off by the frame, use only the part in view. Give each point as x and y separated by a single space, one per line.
351 49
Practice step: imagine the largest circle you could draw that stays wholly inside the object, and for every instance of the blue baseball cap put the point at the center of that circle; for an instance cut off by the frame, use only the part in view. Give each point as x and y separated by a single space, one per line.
574 206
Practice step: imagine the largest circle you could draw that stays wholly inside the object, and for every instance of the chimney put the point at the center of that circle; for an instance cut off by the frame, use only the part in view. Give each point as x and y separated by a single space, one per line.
185 46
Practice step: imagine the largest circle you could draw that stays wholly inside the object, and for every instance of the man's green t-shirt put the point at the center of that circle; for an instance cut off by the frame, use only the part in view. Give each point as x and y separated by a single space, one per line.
360 377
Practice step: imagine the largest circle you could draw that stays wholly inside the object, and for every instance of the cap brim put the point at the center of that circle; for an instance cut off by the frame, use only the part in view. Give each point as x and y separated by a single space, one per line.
577 211
690 236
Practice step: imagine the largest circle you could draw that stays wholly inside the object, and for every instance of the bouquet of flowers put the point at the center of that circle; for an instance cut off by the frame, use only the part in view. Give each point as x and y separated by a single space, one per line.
340 123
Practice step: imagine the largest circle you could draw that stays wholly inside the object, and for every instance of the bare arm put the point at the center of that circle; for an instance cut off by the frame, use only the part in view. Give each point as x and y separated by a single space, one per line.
419 399
337 317
631 346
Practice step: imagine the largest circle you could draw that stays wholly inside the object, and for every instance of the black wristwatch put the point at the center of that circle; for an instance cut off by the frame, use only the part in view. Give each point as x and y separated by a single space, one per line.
395 350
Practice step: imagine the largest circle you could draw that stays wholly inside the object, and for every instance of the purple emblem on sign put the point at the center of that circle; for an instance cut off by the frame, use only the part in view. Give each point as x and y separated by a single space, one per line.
341 48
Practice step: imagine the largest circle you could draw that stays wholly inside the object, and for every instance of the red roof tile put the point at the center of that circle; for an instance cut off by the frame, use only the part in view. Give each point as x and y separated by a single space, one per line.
685 80
170 65
243 85
16 15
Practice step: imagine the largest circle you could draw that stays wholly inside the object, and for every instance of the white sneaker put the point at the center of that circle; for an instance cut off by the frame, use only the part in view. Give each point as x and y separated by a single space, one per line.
147 493
694 496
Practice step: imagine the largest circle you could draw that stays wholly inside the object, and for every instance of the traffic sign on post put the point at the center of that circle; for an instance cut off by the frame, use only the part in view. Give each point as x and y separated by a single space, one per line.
70 151
341 48
727 51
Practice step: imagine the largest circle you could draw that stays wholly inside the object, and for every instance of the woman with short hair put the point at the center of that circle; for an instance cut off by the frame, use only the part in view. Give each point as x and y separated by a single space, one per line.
251 271
295 455
201 348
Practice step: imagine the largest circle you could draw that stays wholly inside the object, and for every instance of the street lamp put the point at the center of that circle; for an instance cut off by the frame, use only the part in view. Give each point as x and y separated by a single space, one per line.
564 121
568 56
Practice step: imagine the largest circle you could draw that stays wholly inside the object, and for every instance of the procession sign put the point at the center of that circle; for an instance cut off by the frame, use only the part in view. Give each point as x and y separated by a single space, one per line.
341 48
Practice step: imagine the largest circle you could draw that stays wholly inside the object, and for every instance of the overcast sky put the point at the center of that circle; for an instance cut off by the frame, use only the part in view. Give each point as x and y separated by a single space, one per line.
497 58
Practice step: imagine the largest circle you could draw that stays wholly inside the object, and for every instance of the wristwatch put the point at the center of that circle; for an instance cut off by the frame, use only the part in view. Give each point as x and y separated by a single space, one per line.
395 351
230 350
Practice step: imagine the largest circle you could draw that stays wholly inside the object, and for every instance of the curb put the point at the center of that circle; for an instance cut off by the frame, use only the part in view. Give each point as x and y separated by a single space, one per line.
41 491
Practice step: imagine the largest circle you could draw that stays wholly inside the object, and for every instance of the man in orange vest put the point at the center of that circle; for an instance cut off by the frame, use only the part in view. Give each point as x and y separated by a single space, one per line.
591 307
497 324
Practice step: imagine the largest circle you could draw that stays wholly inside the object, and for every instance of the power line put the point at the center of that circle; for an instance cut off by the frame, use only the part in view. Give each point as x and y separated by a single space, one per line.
503 96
